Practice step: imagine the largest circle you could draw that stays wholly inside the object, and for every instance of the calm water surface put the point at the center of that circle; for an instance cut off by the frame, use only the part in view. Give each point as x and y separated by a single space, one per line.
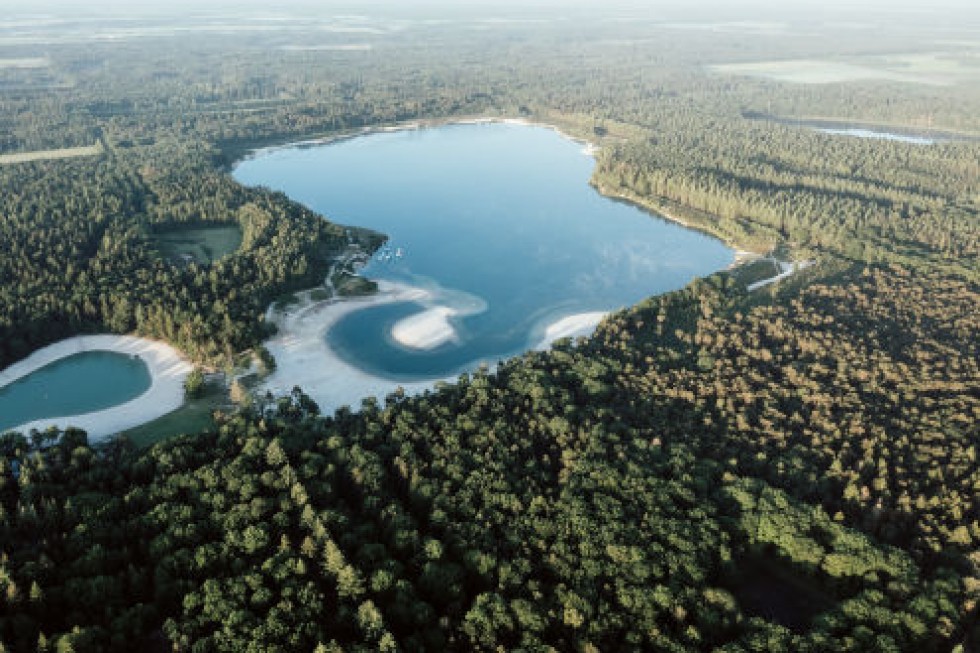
497 221
78 384
886 136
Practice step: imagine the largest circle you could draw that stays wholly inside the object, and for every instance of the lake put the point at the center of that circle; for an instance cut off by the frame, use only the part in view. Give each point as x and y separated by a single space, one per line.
881 135
74 385
496 226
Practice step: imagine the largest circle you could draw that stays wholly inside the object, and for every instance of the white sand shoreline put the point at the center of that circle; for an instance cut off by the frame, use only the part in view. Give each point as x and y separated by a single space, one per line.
168 370
304 359
589 148
571 326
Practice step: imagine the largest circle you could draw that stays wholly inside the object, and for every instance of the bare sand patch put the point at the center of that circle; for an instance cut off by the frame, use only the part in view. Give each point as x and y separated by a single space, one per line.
426 330
50 155
571 326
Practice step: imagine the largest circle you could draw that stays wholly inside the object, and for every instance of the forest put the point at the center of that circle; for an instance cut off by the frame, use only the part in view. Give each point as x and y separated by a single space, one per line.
789 469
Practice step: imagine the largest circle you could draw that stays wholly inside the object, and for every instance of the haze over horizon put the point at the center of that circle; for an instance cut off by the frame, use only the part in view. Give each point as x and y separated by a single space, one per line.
891 6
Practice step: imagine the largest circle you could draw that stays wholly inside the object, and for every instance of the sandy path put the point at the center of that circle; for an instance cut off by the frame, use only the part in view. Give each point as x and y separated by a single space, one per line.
788 269
168 369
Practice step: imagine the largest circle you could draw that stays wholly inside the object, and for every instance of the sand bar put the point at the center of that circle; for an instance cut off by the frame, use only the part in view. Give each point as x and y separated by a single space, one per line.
168 369
426 330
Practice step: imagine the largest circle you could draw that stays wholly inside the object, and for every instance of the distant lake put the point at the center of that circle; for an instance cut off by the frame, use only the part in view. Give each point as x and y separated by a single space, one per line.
881 135
497 223
81 383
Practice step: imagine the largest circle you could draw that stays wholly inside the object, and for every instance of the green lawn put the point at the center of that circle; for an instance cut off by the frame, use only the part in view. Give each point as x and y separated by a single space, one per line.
194 416
202 244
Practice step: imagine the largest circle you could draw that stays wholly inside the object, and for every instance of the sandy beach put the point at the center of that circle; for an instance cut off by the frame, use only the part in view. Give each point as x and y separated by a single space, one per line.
572 326
304 359
168 369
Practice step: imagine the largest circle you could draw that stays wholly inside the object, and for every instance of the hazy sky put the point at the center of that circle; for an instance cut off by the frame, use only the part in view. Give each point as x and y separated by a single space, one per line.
170 6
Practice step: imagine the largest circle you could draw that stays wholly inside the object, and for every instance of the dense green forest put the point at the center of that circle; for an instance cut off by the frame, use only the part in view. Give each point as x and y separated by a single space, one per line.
791 469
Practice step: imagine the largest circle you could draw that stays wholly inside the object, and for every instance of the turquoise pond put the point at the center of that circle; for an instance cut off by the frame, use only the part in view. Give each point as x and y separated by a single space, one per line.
81 383
497 221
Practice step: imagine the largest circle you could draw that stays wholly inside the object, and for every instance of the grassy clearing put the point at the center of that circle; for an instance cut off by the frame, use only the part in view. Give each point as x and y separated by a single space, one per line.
948 65
755 271
194 416
351 285
25 62
806 71
199 244
50 155
934 69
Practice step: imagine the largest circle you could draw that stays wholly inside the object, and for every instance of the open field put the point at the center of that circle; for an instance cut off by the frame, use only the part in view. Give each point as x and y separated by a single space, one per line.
202 244
50 155
953 66
341 47
194 416
933 69
25 62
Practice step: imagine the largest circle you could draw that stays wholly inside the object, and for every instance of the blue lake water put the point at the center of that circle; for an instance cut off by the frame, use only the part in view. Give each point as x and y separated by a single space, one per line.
78 384
869 133
497 221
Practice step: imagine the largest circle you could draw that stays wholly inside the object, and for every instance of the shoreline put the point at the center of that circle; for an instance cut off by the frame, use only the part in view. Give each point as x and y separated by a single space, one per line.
742 251
588 147
303 357
167 366
571 326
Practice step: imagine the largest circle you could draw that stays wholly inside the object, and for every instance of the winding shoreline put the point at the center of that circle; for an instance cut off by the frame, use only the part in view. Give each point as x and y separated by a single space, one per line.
589 148
167 366
304 359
